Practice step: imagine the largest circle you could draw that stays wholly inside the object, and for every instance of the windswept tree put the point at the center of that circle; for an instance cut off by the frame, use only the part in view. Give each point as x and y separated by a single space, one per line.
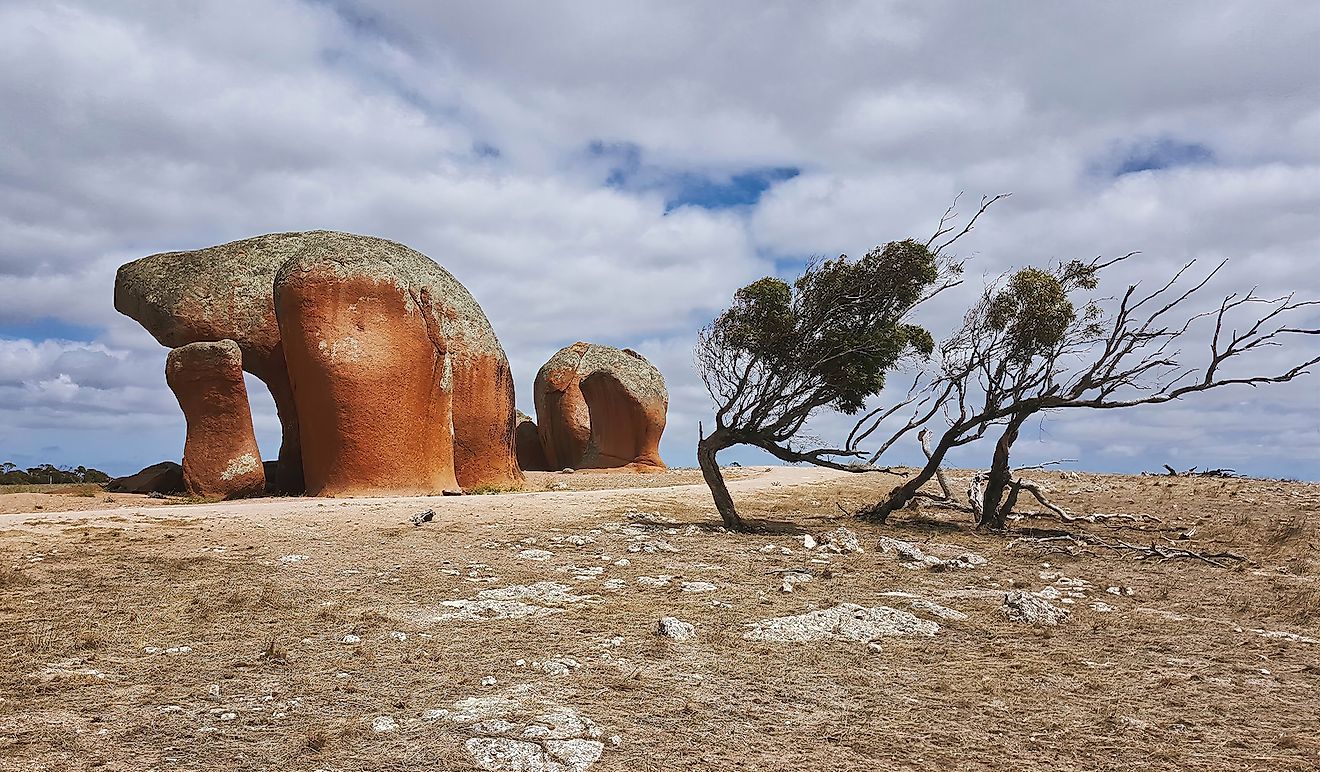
782 352
1030 345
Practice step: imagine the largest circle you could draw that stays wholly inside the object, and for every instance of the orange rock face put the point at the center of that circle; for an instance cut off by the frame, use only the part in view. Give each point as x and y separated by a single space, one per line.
400 385
220 455
599 407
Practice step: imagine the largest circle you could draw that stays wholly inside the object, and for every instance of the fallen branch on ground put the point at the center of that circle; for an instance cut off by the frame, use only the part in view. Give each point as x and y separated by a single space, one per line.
1075 543
1193 473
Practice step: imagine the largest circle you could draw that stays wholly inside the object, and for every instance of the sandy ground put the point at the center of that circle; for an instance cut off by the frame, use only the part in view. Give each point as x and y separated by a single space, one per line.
274 634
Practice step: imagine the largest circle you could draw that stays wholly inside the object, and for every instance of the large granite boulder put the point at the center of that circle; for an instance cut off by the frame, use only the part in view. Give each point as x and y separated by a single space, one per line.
228 292
599 407
400 384
220 455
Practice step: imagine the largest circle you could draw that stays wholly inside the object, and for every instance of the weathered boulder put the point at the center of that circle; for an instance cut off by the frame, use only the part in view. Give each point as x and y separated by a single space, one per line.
220 454
218 293
227 292
165 477
527 440
600 407
399 382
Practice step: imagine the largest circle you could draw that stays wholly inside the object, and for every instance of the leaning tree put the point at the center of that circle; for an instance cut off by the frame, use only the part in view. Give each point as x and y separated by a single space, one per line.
782 352
1028 346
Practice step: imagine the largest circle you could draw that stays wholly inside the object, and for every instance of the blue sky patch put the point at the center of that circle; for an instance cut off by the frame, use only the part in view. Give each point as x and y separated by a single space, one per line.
743 189
47 327
1161 153
707 190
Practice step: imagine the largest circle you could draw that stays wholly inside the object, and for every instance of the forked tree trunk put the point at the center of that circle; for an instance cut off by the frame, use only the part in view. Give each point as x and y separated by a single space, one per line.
707 447
994 514
900 496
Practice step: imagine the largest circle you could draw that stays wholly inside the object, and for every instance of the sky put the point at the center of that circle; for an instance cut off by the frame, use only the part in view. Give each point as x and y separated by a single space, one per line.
612 172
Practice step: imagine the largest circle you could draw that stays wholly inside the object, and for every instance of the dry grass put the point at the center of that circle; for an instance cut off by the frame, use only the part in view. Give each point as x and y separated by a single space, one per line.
1173 678
59 489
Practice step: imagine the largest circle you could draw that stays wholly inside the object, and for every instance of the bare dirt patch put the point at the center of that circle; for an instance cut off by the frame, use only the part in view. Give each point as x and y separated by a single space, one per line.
323 634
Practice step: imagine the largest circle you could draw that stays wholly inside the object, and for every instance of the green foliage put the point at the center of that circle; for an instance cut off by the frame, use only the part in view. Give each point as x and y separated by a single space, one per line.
47 474
1033 309
838 326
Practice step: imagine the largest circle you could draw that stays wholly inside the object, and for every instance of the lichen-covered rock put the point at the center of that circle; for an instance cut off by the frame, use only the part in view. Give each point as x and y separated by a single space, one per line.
846 621
527 440
220 455
218 293
599 407
399 381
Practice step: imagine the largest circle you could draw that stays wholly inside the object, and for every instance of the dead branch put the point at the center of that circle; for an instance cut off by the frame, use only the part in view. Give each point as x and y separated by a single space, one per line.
924 437
1171 472
1076 543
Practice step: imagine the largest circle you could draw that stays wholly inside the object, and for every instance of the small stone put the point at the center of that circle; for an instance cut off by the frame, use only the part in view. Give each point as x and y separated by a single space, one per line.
808 541
675 629
1030 609
874 647
535 554
384 724
616 740
842 540
698 587
1103 608
351 640
399 635
228 716
488 681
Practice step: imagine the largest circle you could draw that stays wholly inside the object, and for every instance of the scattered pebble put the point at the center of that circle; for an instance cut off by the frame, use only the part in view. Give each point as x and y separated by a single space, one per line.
675 629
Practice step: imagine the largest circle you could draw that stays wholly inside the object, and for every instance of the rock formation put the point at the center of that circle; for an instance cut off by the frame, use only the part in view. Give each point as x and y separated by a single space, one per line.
165 477
394 356
527 440
220 293
599 407
220 455
399 381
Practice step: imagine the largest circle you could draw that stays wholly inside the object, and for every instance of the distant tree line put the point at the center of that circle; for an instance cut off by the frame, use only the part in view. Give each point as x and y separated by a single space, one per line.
47 474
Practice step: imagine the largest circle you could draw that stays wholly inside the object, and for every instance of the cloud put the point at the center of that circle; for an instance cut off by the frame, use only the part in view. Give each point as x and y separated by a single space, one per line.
613 172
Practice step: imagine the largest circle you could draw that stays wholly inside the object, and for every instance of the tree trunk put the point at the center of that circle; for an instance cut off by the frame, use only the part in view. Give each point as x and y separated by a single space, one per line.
900 496
710 469
994 515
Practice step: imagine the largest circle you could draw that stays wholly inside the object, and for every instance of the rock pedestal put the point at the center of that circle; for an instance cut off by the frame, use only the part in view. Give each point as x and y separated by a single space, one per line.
599 407
220 455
